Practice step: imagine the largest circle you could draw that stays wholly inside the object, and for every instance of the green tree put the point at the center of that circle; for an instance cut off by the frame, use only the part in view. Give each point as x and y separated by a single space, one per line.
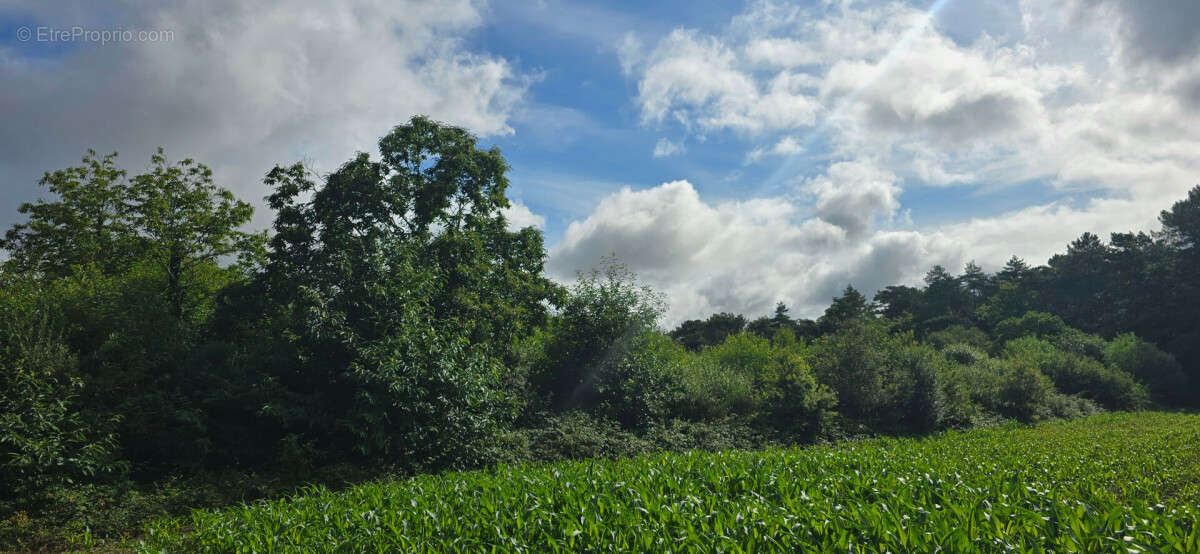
182 221
850 306
597 323
401 291
84 225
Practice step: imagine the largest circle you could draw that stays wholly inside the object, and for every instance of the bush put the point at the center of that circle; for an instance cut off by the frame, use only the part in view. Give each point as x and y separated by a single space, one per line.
1145 362
1074 374
854 361
1065 406
598 321
710 391
637 388
1024 392
963 354
44 441
1035 324
959 334
793 403
922 400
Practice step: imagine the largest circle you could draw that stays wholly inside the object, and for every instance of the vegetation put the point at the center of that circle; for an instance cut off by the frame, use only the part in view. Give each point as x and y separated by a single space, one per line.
1113 483
391 323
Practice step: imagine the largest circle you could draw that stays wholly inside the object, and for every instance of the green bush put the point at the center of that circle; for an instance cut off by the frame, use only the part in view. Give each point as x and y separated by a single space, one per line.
1145 362
855 362
637 388
963 354
1024 392
958 334
598 321
44 440
1035 324
921 398
1074 374
711 391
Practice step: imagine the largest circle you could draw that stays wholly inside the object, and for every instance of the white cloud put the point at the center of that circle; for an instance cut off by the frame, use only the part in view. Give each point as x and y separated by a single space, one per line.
696 80
1097 100
244 86
851 194
664 148
738 256
519 216
786 146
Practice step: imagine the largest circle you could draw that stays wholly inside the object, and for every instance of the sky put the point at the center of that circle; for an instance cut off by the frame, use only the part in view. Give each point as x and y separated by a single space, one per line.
733 155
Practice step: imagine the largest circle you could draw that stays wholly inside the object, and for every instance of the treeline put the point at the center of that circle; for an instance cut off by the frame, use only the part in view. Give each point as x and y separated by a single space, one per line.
391 319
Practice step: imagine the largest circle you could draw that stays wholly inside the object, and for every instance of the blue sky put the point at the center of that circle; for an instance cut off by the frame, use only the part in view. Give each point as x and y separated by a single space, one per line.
733 154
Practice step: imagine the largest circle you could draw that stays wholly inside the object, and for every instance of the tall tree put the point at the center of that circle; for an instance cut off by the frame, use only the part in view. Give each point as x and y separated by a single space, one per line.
183 221
84 226
403 290
851 305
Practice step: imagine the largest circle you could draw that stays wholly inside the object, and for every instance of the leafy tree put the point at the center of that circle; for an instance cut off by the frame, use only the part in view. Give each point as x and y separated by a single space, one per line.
183 221
598 320
400 291
695 334
85 225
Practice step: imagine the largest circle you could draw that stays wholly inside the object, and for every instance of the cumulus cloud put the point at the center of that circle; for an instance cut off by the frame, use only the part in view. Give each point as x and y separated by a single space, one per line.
664 148
742 256
1095 100
697 80
519 216
243 86
851 194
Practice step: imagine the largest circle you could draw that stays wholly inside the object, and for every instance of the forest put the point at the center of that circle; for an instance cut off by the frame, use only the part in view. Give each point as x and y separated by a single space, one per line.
157 355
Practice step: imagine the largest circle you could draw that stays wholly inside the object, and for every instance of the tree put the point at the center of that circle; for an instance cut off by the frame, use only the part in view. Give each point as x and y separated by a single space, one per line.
85 225
1081 282
851 305
183 221
695 334
899 301
1181 223
977 284
598 321
401 292
946 302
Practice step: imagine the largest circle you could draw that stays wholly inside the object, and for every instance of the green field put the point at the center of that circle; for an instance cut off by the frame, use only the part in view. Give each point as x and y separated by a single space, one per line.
1110 483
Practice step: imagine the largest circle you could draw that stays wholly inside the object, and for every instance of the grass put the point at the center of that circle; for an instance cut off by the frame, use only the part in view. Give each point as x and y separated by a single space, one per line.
1110 483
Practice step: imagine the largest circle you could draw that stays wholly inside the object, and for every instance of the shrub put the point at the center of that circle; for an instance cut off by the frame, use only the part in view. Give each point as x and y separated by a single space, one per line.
793 403
963 354
597 323
854 362
1024 392
1035 324
1145 362
637 388
921 399
1074 374
959 334
711 391
44 441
